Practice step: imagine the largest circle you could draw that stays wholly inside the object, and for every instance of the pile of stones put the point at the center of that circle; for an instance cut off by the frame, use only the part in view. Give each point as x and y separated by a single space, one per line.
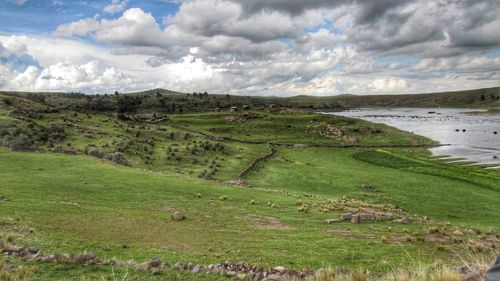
236 271
367 217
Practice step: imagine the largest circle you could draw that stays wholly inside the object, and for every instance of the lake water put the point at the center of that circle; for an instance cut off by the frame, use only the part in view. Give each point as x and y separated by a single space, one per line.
477 143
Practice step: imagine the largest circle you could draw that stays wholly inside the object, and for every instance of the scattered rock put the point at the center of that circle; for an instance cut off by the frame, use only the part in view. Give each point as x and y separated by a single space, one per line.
165 265
404 220
346 216
274 277
368 186
355 219
155 271
384 216
178 216
472 276
33 250
197 268
143 266
280 269
179 266
366 217
258 276
300 145
241 276
3 198
117 263
155 262
329 221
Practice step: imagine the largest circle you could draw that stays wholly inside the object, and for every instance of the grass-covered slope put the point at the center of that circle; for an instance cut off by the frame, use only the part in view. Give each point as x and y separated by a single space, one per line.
73 182
312 129
165 101
75 204
430 189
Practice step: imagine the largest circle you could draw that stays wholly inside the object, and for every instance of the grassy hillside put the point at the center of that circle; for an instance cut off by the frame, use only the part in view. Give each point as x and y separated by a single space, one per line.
164 101
488 97
105 183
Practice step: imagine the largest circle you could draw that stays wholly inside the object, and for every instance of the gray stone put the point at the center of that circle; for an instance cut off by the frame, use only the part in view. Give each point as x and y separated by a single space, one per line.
179 266
404 220
329 221
131 263
280 269
33 250
178 216
117 263
258 276
346 216
275 277
384 216
155 262
197 268
155 271
241 276
165 265
472 276
355 219
143 266
366 217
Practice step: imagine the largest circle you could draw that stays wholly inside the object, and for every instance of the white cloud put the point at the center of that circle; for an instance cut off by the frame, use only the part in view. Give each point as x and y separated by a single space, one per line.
116 6
267 47
19 2
389 85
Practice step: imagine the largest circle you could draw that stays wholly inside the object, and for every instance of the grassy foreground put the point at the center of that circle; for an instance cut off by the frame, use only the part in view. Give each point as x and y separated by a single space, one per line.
103 184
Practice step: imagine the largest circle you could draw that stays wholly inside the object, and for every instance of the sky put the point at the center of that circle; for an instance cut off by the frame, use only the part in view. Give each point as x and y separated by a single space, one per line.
250 47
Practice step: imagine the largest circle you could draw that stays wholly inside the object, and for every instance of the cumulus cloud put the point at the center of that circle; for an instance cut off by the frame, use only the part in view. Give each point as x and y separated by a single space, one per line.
116 6
280 47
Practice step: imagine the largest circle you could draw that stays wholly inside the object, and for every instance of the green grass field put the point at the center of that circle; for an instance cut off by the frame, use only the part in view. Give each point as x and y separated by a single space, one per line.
73 194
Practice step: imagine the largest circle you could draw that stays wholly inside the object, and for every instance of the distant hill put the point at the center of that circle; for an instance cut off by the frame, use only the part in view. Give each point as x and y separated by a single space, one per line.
170 102
478 97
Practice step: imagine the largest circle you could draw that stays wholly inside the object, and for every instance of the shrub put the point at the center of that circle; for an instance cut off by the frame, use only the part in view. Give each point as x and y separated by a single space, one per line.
118 158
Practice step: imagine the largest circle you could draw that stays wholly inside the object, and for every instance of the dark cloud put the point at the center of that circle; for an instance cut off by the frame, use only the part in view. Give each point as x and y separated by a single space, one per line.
292 7
373 10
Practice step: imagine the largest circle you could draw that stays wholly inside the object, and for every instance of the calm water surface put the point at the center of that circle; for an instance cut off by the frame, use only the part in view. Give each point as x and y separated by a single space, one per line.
477 143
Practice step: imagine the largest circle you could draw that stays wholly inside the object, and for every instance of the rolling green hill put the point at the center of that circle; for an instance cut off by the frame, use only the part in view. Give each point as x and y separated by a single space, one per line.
170 102
75 181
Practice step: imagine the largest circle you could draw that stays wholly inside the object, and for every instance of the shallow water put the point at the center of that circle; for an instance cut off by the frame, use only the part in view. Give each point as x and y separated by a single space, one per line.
477 143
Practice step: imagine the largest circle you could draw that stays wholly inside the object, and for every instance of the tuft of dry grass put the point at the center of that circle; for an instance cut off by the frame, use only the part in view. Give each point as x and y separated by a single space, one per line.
359 276
327 274
446 274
